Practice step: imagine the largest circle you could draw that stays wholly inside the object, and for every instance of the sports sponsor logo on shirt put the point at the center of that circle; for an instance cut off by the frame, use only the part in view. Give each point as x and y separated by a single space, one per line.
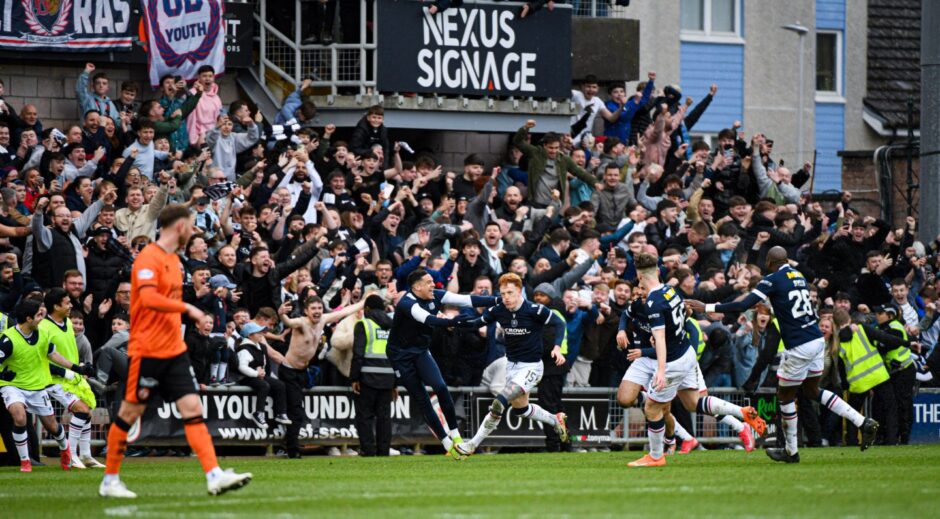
144 274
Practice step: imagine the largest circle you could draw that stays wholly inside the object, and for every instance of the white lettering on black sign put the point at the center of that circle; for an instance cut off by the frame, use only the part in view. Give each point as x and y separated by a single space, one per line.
463 56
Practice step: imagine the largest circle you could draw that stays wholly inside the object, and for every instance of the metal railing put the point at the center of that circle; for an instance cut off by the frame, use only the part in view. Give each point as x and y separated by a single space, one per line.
347 66
596 9
627 426
623 426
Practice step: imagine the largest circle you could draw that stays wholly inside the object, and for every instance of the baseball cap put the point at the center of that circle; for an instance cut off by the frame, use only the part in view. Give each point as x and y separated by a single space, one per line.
100 230
886 309
251 327
219 280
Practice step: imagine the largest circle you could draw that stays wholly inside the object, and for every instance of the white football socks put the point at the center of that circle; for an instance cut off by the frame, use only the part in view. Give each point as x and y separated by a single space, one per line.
681 432
788 413
840 407
717 407
732 422
538 414
85 443
76 426
486 428
60 438
657 433
21 439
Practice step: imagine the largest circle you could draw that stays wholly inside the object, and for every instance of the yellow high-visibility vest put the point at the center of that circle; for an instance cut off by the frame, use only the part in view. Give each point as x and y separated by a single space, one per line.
864 368
900 356
564 342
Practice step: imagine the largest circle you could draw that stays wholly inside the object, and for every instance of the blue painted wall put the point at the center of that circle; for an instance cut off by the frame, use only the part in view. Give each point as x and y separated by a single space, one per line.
702 64
830 139
830 117
830 14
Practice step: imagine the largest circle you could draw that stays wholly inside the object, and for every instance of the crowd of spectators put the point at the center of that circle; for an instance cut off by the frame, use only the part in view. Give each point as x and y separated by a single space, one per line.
285 211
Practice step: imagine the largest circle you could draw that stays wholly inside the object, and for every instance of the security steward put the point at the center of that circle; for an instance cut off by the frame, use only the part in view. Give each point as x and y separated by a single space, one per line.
903 373
373 379
861 348
553 379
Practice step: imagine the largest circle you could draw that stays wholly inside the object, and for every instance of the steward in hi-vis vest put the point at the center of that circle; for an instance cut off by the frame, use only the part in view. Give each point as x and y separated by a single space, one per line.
373 379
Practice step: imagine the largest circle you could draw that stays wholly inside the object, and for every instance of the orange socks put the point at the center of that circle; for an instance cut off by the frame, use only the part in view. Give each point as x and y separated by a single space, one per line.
197 434
117 445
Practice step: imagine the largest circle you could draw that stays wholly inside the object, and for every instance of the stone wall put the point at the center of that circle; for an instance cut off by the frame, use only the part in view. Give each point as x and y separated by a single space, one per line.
51 86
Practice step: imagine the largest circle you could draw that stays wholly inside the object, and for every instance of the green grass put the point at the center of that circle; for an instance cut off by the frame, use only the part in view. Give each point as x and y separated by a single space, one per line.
882 482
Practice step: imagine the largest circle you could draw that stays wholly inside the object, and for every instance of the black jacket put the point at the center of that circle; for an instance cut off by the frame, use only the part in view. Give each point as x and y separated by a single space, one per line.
102 267
49 267
656 234
200 354
851 255
467 273
264 291
259 356
364 137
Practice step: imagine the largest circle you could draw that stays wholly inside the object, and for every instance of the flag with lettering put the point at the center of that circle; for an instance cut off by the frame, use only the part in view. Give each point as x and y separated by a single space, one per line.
66 25
184 35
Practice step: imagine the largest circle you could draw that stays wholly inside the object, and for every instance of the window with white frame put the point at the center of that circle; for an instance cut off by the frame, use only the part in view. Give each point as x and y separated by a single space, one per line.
711 18
829 62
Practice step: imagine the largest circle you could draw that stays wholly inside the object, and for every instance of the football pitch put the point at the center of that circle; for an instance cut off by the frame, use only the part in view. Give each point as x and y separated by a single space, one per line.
835 482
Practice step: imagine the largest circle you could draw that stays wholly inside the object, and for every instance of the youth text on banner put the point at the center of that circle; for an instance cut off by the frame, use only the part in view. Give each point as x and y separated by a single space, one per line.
184 35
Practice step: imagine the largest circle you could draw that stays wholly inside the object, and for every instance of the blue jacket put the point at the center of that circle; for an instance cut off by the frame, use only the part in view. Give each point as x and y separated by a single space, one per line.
621 127
440 276
88 100
576 323
291 104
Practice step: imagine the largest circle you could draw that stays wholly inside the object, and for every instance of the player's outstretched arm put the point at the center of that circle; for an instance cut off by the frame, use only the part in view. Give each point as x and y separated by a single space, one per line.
474 322
462 300
749 300
422 316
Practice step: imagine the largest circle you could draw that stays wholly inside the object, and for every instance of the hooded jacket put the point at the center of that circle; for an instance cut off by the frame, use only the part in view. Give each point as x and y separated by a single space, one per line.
203 117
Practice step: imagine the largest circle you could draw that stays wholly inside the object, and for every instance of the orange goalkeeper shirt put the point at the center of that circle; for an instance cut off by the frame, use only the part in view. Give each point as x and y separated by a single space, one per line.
156 304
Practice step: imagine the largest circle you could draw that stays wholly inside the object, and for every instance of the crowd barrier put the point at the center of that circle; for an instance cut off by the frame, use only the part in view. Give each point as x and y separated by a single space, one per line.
594 419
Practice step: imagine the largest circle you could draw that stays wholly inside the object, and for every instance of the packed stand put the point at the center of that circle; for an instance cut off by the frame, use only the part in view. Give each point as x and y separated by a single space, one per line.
286 212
